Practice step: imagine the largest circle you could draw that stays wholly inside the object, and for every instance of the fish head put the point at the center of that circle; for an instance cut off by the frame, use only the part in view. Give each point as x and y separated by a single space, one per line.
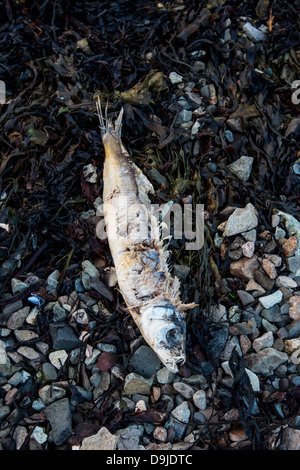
164 328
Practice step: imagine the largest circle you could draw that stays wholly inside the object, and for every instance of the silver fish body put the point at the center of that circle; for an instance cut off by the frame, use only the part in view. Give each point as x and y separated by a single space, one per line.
151 294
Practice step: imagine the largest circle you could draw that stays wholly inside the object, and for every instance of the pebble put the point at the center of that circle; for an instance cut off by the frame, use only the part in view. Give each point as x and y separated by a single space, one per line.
248 249
263 279
52 281
128 438
184 389
264 341
275 259
265 361
144 361
184 116
286 281
241 220
244 268
199 399
245 297
254 286
291 438
291 345
160 433
253 33
25 335
175 78
39 435
58 358
60 419
50 393
103 440
64 338
272 314
28 352
32 317
18 286
17 319
164 376
242 168
293 263
289 248
269 268
135 383
294 311
269 300
11 308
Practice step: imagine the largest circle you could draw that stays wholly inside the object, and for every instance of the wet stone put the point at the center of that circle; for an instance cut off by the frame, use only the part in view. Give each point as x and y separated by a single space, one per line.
272 314
265 361
13 307
269 300
64 338
135 383
144 361
164 376
60 419
18 318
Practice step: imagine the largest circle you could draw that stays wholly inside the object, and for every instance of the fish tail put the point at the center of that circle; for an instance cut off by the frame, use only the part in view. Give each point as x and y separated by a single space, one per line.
107 125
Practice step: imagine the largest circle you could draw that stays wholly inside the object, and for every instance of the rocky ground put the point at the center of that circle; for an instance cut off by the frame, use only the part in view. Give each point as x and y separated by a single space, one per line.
75 373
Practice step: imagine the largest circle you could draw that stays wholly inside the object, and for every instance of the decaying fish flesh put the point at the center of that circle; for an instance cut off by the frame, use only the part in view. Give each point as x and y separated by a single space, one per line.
151 294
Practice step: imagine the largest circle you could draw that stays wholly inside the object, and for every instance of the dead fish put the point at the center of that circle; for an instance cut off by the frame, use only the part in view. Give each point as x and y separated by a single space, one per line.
151 294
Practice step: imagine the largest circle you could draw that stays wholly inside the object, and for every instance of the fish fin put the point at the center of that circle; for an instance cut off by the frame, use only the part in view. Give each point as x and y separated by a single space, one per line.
106 124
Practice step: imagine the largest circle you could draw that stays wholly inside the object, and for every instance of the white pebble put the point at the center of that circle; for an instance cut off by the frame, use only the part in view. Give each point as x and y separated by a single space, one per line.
58 358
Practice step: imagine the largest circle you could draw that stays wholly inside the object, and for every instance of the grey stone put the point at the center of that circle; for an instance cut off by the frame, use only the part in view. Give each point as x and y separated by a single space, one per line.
17 319
265 361
103 440
18 286
49 372
135 383
128 439
178 420
242 220
229 136
52 281
50 393
291 438
184 116
164 376
268 301
11 308
60 419
64 338
242 167
4 411
144 361
245 297
293 263
175 78
59 313
253 33
199 399
272 314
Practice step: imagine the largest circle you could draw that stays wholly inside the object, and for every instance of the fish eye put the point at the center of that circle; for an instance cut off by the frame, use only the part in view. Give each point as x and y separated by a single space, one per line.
174 337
